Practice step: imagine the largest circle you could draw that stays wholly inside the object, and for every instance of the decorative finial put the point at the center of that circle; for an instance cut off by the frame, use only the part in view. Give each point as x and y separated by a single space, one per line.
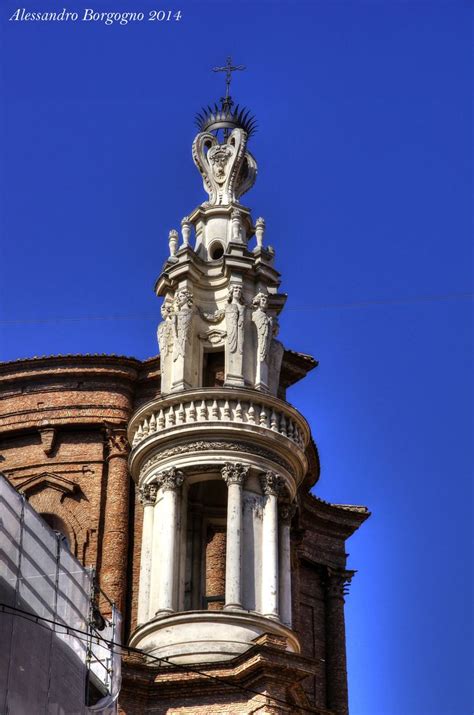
228 68
173 243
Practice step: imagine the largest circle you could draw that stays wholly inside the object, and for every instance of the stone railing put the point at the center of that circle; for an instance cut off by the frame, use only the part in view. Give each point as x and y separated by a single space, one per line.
211 407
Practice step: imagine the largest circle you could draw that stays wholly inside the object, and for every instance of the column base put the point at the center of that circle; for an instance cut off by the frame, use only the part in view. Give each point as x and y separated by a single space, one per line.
163 612
272 617
233 607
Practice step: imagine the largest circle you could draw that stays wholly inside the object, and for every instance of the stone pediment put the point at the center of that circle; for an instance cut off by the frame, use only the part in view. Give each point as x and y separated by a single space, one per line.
47 480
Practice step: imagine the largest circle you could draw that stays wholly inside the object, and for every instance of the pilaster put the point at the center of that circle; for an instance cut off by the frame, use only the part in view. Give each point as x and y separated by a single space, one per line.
336 584
286 513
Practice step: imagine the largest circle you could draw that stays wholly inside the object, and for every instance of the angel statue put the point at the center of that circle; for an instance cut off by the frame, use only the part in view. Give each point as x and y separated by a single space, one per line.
165 330
182 321
234 317
264 325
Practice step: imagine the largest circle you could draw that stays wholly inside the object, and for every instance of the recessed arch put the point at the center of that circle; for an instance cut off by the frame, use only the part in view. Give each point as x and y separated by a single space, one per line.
59 526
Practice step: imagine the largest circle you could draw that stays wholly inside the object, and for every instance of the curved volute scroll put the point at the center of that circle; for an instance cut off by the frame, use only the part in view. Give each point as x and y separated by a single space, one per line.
227 169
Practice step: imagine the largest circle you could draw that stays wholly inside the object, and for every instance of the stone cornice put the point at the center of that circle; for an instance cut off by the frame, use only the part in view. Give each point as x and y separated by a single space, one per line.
71 414
263 662
340 519
295 366
48 362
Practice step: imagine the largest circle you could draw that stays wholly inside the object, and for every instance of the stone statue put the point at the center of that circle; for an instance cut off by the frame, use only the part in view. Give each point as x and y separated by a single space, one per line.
182 322
234 316
165 330
264 325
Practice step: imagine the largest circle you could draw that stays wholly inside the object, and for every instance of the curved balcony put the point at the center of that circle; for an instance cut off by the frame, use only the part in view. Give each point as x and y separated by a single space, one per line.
222 419
206 636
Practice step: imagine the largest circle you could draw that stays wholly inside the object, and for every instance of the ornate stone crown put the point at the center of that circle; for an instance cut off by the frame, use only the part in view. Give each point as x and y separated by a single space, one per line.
212 118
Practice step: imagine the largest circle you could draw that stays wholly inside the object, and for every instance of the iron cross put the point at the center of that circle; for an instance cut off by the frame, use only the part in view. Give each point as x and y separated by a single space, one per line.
228 69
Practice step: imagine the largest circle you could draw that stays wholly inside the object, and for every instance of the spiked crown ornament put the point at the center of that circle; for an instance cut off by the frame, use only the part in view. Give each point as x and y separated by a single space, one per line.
211 119
228 169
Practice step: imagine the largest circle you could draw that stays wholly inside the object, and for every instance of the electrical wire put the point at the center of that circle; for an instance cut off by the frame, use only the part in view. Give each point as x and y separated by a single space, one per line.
296 308
88 637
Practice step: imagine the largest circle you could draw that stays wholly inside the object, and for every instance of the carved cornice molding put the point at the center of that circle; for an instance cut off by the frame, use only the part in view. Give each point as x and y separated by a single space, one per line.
211 446
272 483
48 480
234 473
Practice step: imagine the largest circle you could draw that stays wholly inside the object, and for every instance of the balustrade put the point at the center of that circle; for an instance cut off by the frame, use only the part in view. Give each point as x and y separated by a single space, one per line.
186 411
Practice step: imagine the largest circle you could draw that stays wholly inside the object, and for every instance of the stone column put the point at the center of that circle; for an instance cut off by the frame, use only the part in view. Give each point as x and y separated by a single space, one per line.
234 476
287 512
336 670
147 498
113 570
271 485
169 483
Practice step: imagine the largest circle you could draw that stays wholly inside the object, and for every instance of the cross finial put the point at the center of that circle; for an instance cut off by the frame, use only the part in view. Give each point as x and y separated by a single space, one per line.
228 69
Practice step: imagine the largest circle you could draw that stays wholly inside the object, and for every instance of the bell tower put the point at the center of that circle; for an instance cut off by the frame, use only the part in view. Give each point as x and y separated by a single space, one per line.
219 456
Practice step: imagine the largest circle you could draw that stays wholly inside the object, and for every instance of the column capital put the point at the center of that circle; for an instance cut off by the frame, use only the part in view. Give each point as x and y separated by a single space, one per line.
272 483
171 479
234 473
287 512
148 494
337 582
116 442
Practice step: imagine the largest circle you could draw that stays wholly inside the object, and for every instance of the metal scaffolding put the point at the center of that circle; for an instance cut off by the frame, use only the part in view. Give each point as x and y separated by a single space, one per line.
55 655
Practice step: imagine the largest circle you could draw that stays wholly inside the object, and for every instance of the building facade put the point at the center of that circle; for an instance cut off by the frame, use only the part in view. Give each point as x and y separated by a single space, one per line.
185 480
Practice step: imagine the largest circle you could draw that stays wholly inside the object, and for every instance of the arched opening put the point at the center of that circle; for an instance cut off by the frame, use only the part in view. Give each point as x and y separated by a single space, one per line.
58 525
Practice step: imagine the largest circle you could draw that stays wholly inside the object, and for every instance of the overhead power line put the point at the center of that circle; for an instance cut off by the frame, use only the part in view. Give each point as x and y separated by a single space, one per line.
296 308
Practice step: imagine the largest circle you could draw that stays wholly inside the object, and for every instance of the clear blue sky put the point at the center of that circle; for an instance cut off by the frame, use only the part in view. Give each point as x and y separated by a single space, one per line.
364 152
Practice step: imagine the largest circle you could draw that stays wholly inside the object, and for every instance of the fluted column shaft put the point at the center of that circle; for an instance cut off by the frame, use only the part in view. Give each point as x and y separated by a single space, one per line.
169 483
336 667
271 485
147 497
113 572
234 476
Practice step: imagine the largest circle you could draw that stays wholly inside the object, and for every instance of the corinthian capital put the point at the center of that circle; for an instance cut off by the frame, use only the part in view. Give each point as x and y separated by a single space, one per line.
116 443
337 582
272 484
234 473
148 494
287 512
170 479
